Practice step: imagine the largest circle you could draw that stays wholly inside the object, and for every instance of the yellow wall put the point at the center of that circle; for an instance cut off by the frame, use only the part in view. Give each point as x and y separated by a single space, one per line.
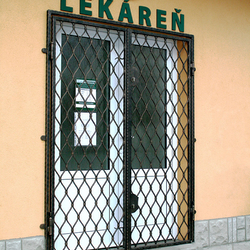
222 105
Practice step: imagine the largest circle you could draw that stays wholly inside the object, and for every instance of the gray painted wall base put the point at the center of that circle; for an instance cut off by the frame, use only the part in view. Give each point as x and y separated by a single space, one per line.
31 243
218 234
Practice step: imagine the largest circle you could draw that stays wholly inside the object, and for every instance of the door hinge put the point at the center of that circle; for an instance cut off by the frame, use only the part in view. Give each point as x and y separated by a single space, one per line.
50 227
192 68
51 50
193 211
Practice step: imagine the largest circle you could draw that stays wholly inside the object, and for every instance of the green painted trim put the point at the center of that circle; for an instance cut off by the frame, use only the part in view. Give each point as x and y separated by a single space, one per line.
86 109
89 84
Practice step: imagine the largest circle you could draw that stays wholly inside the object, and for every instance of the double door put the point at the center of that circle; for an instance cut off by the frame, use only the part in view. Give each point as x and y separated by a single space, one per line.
115 138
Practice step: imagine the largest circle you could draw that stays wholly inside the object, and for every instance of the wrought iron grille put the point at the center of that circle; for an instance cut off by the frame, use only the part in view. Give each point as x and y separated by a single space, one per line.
120 129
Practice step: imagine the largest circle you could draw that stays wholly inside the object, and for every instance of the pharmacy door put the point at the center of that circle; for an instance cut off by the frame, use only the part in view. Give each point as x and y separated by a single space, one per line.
114 137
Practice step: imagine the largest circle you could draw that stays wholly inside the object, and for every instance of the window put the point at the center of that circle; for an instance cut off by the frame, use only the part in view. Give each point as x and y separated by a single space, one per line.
120 126
84 83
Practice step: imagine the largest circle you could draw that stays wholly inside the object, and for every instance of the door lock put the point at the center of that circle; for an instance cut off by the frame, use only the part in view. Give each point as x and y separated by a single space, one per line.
134 202
135 76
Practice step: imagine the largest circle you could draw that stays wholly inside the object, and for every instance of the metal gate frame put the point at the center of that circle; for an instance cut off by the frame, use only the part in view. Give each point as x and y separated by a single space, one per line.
52 16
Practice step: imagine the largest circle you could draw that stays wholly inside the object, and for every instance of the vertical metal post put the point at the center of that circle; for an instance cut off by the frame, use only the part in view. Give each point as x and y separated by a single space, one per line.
49 199
127 133
48 136
191 140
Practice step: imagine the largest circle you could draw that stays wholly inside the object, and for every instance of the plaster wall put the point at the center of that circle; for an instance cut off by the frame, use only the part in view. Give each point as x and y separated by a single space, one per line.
222 88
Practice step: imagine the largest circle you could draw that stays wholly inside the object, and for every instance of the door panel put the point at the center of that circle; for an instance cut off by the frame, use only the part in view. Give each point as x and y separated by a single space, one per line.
88 138
150 136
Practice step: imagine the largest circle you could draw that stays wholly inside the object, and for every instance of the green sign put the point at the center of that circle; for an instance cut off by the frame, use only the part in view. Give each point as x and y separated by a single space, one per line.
125 13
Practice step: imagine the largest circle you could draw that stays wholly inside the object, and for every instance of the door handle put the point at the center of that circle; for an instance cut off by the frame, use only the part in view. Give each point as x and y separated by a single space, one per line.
134 202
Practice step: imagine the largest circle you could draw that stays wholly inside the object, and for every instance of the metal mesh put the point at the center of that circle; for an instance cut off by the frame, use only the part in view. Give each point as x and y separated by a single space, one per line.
121 138
160 139
88 137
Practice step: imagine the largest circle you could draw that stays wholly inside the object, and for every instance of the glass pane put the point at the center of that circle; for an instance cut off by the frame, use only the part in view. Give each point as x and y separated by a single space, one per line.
84 97
148 100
